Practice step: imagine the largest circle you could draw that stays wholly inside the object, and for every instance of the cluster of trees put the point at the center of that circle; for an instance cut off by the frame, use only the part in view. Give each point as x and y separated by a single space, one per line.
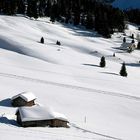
123 71
133 15
89 13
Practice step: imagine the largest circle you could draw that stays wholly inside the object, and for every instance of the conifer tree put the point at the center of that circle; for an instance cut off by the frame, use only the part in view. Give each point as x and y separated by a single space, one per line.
133 41
42 40
132 36
138 45
102 62
124 40
123 71
114 54
58 43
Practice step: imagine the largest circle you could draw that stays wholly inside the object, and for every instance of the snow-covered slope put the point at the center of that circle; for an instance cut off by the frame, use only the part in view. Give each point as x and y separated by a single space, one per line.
99 103
127 4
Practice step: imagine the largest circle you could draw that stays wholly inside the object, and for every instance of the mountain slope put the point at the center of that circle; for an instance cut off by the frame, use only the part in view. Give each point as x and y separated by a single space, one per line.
98 102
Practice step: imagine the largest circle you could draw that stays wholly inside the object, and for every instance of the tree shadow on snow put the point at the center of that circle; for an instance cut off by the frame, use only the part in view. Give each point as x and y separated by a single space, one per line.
111 73
6 102
80 31
92 65
9 46
5 120
133 64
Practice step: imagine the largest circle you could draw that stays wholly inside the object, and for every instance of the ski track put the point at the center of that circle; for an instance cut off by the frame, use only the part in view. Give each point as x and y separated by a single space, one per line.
91 90
107 136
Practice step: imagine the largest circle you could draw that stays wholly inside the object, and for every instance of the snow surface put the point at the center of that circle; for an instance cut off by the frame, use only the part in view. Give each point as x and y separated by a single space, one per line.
99 103
127 4
27 96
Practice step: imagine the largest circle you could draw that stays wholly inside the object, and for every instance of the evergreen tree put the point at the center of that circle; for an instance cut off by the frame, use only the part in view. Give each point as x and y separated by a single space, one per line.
123 71
89 22
102 62
58 43
132 36
138 45
42 40
133 41
124 40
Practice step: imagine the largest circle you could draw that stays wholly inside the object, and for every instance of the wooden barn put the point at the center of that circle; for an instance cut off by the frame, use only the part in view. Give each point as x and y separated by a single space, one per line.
40 116
23 99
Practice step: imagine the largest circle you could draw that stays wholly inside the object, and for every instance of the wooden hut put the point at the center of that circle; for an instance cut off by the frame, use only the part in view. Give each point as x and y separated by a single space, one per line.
23 99
128 46
40 116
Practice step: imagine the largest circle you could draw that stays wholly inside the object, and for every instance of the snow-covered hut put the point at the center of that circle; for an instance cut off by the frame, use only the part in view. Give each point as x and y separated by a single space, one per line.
23 99
40 116
128 46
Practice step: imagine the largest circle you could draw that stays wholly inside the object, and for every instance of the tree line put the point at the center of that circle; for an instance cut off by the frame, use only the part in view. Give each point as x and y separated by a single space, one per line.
89 13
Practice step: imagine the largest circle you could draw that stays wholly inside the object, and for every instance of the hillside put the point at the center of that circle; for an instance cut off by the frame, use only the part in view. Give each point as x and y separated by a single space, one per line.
127 4
98 102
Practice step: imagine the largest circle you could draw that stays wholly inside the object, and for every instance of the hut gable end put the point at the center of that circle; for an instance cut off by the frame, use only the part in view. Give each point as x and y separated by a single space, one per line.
17 102
23 99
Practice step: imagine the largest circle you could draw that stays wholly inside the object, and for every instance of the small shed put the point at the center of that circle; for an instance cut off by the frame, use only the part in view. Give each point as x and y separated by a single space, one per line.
40 116
23 99
128 46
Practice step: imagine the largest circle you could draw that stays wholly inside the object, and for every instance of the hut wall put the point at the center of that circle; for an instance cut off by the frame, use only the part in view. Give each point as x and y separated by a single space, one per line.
59 123
18 102
37 123
50 123
31 103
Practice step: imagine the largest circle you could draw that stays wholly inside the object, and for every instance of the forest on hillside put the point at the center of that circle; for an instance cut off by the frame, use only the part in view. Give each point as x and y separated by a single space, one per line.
89 13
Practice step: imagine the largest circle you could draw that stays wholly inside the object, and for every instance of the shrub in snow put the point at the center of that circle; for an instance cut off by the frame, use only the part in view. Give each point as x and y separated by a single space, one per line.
123 71
42 40
103 62
58 42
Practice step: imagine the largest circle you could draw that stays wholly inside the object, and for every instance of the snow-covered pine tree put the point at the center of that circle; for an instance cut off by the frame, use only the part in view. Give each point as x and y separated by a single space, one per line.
124 40
123 71
42 40
102 62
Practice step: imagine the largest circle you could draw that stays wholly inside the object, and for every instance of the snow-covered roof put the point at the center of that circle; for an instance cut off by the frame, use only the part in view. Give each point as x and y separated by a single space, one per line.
27 96
36 113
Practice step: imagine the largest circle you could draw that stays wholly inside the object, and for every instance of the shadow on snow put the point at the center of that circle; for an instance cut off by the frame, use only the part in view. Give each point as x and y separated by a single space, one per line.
5 120
6 102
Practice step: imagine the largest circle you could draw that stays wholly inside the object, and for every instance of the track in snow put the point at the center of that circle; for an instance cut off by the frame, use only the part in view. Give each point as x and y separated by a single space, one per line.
99 134
70 86
35 133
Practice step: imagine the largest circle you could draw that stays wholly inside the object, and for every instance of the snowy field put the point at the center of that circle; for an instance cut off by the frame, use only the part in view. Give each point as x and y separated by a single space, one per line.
98 102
